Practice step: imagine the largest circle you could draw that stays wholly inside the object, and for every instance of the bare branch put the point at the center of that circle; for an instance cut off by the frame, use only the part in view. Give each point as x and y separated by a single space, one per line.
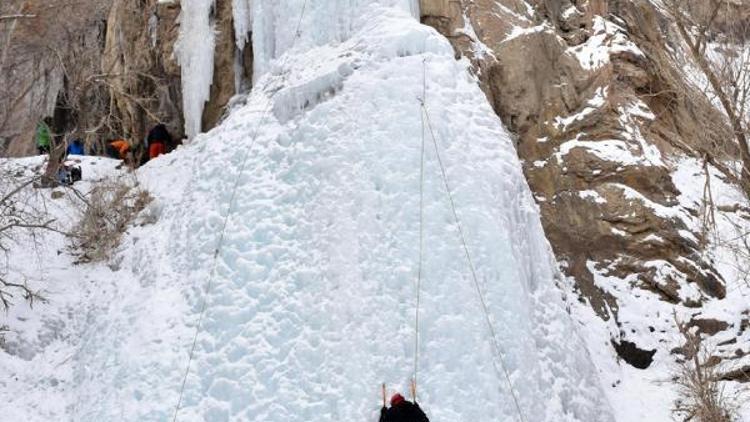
16 16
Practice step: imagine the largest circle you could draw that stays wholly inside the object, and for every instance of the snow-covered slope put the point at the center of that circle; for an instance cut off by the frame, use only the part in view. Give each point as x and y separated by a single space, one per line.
313 299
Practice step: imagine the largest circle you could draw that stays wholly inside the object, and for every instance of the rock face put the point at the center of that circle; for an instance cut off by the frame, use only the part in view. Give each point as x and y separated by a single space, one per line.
601 110
228 61
142 42
46 70
129 76
142 74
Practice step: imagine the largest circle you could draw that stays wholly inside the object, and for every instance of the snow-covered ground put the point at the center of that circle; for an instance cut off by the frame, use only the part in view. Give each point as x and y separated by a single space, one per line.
312 304
41 345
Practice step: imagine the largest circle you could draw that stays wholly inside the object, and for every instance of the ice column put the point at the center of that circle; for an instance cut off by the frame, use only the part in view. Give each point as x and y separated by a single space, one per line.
195 53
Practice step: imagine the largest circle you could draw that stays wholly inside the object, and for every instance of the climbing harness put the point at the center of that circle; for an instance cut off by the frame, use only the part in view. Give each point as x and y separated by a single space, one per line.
222 233
426 121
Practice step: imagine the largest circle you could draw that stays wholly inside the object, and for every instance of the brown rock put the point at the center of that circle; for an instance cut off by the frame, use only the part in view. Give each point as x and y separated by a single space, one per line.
740 375
223 87
138 60
708 326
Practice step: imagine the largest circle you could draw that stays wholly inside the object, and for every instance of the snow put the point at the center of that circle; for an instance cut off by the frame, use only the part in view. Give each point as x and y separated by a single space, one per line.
589 109
659 209
506 11
593 196
570 12
607 39
347 175
39 350
630 150
613 150
727 250
519 31
647 320
481 50
312 303
195 53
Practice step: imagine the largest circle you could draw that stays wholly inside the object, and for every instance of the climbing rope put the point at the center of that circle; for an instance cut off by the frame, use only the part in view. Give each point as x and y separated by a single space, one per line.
222 233
496 343
421 237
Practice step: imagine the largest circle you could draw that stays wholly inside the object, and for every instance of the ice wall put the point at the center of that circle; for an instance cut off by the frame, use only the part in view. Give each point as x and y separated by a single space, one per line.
273 22
312 306
331 21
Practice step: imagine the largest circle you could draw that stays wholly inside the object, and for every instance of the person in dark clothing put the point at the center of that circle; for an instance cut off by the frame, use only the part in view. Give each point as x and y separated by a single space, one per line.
402 410
159 140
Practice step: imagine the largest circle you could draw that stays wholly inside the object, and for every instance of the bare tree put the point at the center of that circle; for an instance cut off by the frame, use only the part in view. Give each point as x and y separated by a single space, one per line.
49 51
717 46
20 216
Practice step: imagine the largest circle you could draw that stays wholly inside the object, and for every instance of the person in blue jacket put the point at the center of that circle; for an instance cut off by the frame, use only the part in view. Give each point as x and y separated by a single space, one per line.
76 148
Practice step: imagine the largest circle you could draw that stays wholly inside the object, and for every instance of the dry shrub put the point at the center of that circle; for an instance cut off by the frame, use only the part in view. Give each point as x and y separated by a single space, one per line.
701 393
107 211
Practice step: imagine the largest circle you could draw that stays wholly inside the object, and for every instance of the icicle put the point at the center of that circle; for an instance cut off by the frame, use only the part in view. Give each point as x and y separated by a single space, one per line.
195 53
414 9
243 21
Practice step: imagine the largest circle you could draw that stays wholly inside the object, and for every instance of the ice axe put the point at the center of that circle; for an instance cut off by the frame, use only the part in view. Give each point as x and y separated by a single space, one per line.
383 394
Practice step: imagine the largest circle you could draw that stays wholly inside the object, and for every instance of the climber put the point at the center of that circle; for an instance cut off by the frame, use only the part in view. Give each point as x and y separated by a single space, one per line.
76 147
402 410
118 148
158 140
43 138
68 173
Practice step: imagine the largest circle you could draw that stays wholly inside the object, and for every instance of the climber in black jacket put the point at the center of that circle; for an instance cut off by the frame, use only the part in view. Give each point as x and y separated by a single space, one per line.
402 411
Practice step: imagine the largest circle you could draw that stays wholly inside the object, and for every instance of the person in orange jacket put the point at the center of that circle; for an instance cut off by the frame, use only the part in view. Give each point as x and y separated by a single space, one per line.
118 148
159 141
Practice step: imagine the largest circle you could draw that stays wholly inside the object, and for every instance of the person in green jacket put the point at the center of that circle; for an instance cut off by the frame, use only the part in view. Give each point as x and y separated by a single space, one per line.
43 138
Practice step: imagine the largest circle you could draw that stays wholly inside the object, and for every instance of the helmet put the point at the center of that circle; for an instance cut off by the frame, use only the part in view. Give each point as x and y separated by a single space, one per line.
397 399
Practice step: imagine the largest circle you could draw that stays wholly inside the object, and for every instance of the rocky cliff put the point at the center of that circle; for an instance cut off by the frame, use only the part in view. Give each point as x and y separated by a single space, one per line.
50 55
141 45
598 94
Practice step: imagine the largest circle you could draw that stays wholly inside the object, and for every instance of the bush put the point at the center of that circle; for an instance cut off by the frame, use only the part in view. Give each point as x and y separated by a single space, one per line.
107 211
701 396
